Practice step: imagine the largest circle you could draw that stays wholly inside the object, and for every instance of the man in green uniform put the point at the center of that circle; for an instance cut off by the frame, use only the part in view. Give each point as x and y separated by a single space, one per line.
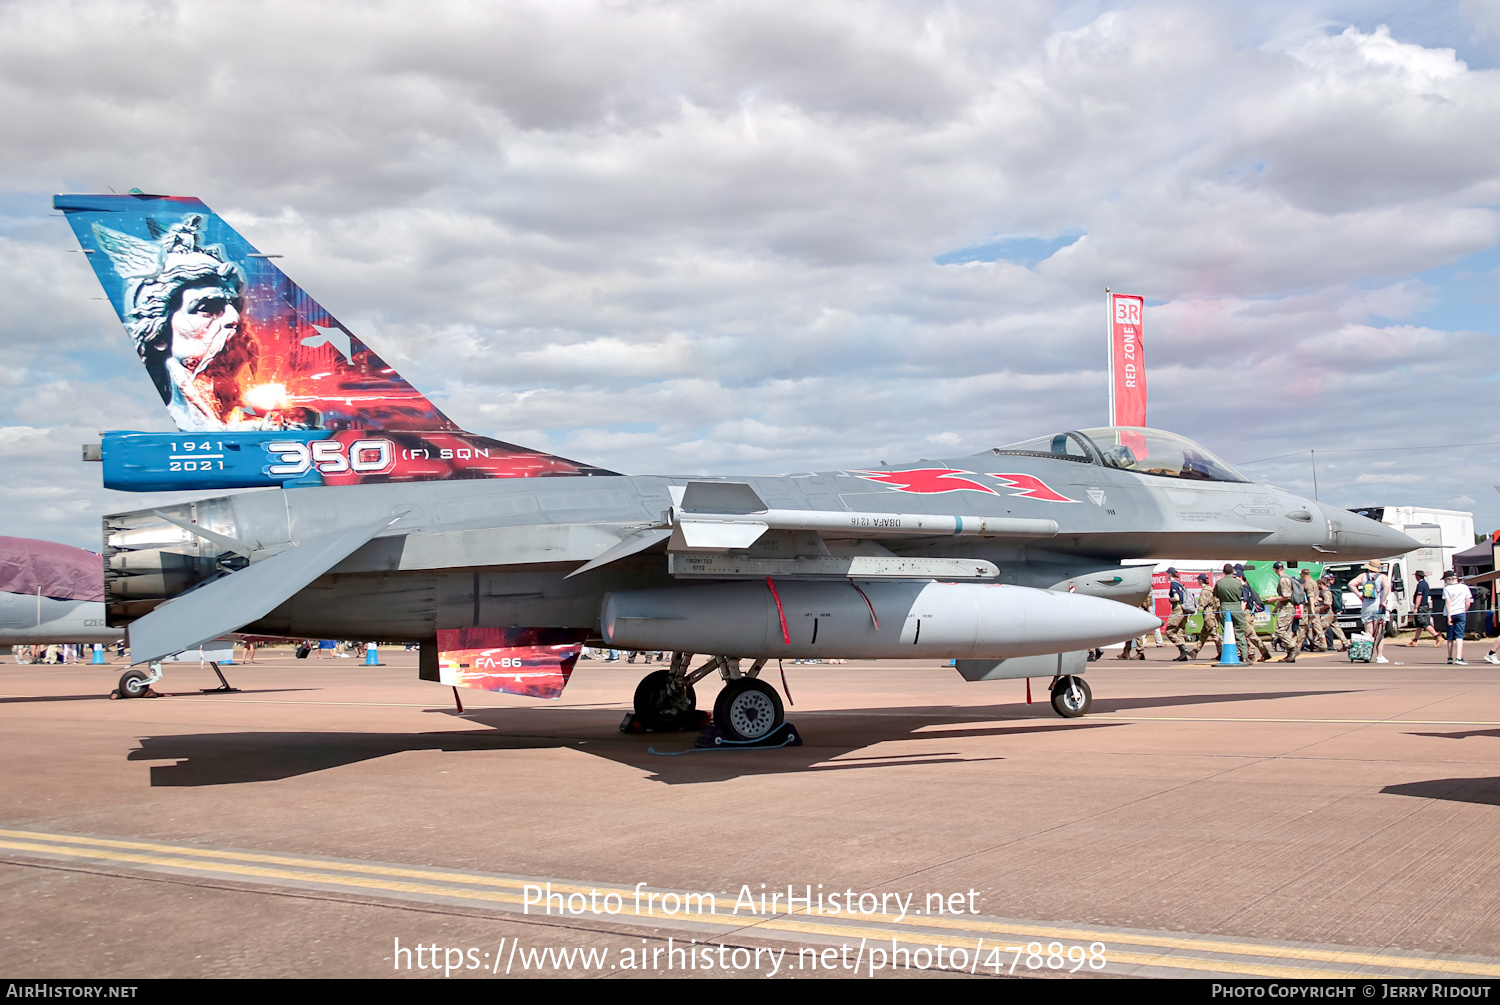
1229 591
1208 606
1282 604
1253 603
1310 635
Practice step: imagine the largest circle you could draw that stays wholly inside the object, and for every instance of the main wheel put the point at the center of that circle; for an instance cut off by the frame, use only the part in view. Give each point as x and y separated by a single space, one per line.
661 707
134 684
748 709
1071 697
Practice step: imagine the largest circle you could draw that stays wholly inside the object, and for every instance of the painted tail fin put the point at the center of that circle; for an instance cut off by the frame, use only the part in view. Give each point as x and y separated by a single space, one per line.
234 346
230 342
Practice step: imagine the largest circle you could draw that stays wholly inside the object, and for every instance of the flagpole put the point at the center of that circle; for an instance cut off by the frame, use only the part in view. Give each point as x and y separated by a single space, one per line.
1109 351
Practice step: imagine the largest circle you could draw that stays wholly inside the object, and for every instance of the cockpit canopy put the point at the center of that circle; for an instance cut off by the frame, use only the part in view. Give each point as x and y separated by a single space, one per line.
1131 448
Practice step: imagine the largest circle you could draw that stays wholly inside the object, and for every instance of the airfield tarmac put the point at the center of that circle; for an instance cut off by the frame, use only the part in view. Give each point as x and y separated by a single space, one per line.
1319 819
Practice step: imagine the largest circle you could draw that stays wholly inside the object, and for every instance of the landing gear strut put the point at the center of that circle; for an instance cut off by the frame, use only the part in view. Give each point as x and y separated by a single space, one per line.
1071 696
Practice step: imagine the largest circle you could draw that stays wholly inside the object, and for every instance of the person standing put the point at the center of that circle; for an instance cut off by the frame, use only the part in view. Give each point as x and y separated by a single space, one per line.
1230 592
1310 634
1208 606
1284 602
1373 588
1252 604
1421 608
1177 597
1149 606
1331 605
1456 600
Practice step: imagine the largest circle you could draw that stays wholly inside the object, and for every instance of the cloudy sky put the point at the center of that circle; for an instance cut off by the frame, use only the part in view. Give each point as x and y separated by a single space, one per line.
772 236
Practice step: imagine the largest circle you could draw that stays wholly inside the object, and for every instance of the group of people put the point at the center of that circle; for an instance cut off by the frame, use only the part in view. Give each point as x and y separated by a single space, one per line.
1306 611
1313 599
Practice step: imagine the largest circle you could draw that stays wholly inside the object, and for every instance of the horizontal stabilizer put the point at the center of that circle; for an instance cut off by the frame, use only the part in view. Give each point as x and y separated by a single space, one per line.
225 605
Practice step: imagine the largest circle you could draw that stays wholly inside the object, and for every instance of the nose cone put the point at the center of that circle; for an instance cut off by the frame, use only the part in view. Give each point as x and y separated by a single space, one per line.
1358 537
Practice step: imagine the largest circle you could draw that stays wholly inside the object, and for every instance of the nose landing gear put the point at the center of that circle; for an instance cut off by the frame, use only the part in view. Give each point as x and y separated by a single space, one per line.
1071 696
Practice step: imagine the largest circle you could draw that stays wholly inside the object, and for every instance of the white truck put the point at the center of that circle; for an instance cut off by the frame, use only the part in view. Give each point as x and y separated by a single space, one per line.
1441 532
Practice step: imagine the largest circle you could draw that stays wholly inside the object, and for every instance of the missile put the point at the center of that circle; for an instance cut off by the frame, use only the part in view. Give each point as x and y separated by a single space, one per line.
893 619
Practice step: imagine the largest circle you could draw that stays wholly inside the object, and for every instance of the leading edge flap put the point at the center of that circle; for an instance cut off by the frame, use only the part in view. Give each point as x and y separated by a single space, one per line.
535 662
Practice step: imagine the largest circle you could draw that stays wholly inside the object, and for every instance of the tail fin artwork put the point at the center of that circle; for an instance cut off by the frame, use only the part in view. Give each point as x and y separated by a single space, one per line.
234 347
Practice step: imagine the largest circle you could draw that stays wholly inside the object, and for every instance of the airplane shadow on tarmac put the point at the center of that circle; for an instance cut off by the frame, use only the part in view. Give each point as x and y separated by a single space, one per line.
830 737
19 699
1485 791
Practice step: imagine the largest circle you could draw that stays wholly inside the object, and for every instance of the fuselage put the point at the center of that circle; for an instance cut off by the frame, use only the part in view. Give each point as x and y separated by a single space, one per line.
496 552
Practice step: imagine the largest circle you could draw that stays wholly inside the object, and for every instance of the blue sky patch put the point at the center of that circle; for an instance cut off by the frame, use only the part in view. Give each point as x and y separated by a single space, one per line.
1027 251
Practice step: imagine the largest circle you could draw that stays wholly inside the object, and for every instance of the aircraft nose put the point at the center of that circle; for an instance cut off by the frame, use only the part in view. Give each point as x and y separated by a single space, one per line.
1359 537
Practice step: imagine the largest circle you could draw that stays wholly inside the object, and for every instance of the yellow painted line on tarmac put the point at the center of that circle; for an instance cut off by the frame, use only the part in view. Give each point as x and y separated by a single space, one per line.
261 873
1139 959
285 860
186 857
1328 722
774 924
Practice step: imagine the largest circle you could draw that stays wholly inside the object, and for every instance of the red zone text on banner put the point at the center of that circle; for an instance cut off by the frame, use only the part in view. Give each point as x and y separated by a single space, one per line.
1127 360
534 662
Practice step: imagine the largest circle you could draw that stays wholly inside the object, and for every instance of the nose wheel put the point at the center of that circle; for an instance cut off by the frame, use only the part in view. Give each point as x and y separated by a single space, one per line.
748 709
1071 697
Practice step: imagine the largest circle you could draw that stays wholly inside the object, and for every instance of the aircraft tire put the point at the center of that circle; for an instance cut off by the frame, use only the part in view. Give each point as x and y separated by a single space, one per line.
134 684
661 709
1063 701
748 709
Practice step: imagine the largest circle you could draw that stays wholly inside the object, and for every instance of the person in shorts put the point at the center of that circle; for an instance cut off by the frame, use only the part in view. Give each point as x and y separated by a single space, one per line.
1421 608
1456 600
1373 588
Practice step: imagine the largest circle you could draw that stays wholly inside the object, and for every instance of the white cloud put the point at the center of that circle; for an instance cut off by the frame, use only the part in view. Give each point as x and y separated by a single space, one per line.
687 235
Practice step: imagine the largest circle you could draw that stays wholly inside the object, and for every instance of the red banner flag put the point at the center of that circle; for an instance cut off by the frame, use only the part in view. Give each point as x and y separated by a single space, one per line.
1127 360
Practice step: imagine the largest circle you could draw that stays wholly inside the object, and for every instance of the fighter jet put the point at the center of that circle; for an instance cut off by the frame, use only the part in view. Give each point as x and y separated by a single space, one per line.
382 520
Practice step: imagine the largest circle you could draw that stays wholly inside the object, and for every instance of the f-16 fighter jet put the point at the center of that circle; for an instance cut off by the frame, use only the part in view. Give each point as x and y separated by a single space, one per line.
382 520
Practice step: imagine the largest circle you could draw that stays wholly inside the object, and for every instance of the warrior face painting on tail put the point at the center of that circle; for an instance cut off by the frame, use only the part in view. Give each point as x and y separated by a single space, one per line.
228 340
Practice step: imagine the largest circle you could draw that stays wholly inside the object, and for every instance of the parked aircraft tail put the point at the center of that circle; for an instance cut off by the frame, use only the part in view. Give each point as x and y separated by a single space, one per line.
233 345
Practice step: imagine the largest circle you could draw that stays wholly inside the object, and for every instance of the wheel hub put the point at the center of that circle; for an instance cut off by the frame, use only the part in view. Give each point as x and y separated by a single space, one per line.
751 714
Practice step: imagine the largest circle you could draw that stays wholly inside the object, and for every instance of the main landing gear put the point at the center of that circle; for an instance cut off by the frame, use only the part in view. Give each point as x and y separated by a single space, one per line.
746 710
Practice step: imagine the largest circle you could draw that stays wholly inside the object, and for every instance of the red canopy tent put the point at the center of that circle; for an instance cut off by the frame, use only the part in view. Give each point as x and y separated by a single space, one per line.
55 570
